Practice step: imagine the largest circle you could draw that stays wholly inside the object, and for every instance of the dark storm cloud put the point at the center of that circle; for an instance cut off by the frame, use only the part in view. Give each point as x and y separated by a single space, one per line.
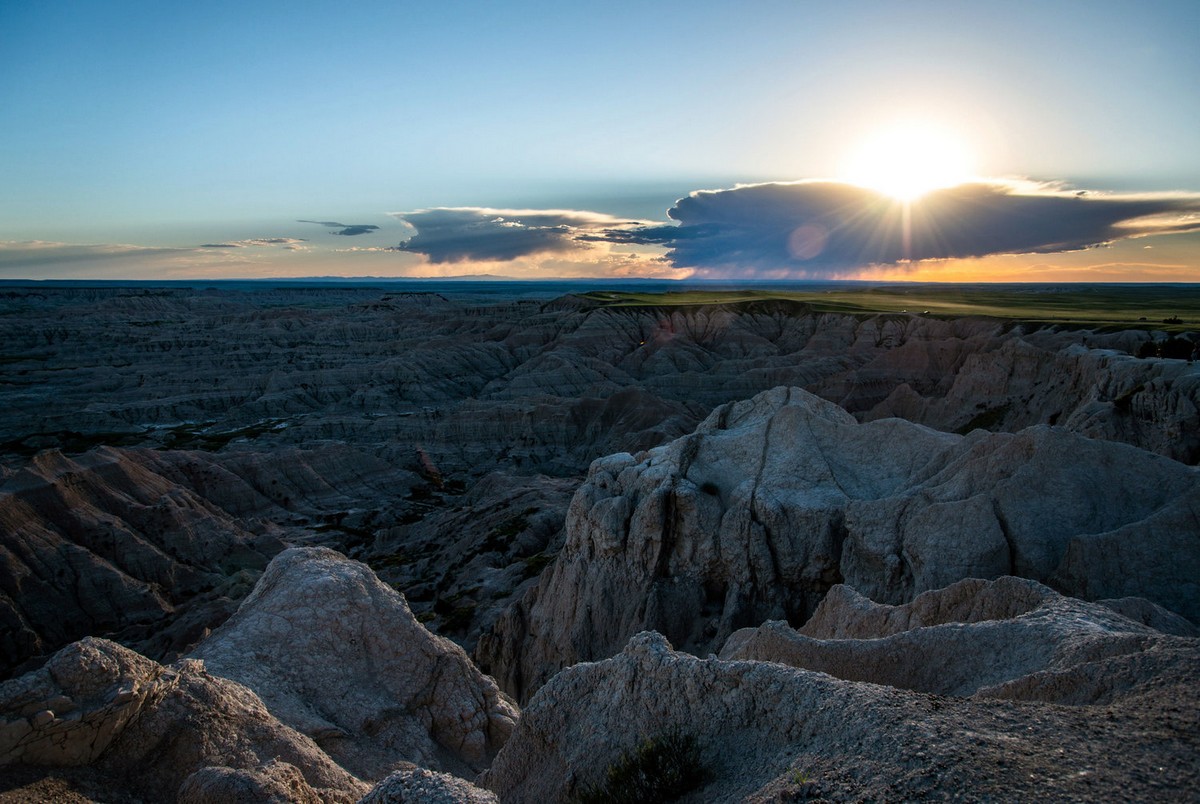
822 228
347 229
457 234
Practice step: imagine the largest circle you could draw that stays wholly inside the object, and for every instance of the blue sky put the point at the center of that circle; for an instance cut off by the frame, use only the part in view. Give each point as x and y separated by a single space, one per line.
148 129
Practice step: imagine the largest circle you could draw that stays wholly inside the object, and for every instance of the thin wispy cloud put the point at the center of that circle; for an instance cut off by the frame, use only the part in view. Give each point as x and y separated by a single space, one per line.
462 234
36 253
34 259
346 229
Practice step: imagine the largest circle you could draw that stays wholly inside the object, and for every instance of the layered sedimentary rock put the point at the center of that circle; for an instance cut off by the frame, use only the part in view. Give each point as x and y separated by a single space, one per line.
157 546
338 655
768 732
1011 638
774 500
147 729
344 416
461 563
532 385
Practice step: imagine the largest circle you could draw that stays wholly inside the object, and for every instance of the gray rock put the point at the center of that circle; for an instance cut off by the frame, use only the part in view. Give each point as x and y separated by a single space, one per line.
338 655
420 786
274 782
970 638
769 732
774 500
147 728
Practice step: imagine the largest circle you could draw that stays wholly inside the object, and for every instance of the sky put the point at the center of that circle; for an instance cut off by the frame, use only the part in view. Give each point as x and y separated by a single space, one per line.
1041 141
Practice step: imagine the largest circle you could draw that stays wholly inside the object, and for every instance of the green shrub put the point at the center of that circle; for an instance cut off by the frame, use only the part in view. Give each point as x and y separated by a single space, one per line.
660 768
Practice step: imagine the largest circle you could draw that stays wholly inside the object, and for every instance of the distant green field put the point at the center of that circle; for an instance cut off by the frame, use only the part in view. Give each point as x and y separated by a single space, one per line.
1171 308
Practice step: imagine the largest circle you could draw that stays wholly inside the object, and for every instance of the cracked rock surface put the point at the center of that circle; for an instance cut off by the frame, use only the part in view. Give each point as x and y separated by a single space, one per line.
774 500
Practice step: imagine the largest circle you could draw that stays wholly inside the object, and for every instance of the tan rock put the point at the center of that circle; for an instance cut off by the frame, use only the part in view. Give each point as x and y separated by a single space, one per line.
339 656
774 500
146 728
971 638
768 732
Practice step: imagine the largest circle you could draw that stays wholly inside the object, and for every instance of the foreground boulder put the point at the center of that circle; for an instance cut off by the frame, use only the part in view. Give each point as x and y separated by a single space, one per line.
763 731
146 729
337 655
772 501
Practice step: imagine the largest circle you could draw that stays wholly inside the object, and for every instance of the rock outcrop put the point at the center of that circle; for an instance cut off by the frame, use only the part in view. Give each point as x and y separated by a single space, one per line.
340 415
768 732
153 547
338 655
774 500
1002 638
148 728
421 786
462 562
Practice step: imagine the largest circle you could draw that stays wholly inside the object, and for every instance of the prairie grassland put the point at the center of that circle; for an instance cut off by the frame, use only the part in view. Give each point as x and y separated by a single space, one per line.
1171 308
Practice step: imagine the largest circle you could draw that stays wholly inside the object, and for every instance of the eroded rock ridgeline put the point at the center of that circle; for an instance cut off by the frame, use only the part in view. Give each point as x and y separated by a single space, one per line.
147 729
536 386
325 648
336 654
322 679
773 500
157 546
1008 638
766 731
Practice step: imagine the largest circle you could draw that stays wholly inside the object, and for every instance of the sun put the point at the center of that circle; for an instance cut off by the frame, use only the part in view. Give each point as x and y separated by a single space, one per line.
907 160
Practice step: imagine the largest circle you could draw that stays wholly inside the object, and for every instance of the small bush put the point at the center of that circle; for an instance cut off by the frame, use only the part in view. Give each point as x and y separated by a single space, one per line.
660 768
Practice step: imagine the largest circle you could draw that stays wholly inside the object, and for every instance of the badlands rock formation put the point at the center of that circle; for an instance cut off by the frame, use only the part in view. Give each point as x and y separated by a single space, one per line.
338 656
147 730
347 416
159 446
548 386
770 732
331 651
157 546
421 786
772 501
1007 638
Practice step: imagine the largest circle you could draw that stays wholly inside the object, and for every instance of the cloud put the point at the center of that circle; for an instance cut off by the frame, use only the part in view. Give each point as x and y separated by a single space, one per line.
43 259
291 243
271 241
459 234
825 228
347 229
18 254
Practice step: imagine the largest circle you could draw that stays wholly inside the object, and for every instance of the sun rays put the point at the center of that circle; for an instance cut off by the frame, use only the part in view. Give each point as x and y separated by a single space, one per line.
908 159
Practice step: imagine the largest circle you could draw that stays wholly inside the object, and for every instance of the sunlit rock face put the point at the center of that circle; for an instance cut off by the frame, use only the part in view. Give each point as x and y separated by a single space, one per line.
323 678
337 655
772 501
